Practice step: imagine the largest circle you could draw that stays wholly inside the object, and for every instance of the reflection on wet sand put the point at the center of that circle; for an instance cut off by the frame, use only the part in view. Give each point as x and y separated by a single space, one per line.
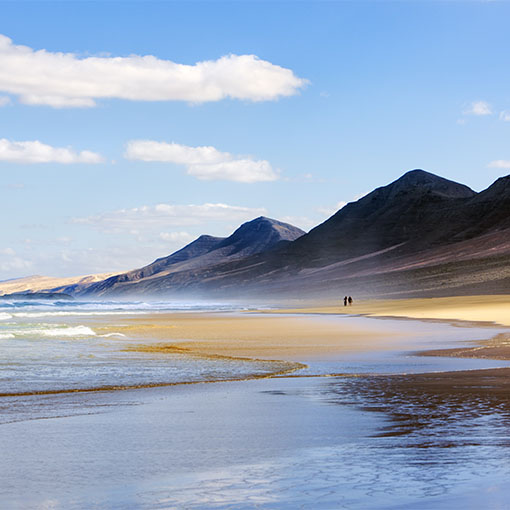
437 409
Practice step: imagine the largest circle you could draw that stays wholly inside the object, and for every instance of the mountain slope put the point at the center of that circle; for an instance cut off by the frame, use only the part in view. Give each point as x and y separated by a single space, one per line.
408 210
198 247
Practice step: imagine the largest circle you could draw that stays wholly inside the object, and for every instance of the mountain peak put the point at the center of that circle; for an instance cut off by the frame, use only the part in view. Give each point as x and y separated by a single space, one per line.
420 180
260 234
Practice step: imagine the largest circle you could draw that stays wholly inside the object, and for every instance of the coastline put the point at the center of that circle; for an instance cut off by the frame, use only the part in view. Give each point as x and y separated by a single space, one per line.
278 441
487 312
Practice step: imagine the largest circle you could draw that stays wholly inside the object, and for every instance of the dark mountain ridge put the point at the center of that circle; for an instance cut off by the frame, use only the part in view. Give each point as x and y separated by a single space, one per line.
409 209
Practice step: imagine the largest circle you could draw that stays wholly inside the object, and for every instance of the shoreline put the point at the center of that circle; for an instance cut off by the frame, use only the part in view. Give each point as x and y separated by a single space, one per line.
289 338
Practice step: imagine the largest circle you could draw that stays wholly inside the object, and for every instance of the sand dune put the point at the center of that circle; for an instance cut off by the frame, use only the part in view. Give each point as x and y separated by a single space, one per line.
37 283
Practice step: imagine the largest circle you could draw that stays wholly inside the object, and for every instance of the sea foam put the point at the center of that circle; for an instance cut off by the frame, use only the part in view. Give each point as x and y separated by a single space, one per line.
50 331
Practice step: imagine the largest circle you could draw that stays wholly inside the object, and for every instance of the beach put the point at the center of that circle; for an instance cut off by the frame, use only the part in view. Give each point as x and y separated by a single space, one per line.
489 309
360 418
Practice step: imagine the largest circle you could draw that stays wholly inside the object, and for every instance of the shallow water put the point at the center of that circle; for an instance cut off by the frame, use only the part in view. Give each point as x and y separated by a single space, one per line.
286 443
52 347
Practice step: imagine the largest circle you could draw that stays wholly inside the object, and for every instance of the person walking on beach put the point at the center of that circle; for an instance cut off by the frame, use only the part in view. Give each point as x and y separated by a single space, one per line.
350 300
345 301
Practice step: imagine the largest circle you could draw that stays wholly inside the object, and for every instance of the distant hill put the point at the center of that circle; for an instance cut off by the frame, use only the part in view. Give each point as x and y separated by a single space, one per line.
253 237
36 296
38 283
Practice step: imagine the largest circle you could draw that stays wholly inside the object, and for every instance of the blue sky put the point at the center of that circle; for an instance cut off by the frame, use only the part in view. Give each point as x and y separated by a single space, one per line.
342 97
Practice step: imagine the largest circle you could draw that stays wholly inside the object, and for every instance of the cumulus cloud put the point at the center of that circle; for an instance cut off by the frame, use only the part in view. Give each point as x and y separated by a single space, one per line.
499 163
40 77
205 163
176 237
163 216
478 108
37 152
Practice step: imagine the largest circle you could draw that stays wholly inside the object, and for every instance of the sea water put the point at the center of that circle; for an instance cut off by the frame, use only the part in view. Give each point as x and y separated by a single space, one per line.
53 347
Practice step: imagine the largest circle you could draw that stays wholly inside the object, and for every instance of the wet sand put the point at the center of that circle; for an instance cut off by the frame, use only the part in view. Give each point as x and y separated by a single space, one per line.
306 334
310 335
464 311
261 336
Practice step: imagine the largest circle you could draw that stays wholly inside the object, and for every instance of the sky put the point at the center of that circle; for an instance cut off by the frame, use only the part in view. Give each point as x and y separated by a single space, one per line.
127 129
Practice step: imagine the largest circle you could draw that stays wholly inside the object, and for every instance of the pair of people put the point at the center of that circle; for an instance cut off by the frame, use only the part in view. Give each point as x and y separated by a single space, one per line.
347 300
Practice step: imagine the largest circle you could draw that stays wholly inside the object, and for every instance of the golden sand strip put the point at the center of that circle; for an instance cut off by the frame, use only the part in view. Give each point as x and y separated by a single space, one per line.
489 309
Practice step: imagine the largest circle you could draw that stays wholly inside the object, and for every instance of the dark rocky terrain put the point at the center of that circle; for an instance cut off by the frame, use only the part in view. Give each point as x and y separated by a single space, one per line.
420 235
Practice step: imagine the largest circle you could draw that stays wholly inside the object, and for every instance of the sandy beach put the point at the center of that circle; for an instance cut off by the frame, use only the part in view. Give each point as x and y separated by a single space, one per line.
297 334
304 334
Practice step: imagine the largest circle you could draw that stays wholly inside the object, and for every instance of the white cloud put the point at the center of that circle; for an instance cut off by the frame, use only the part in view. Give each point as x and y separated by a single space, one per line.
499 163
163 216
64 80
478 108
504 116
4 100
176 237
37 152
205 163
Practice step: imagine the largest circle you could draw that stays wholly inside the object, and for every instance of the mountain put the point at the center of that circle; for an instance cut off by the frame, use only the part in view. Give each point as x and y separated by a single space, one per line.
253 237
408 210
419 235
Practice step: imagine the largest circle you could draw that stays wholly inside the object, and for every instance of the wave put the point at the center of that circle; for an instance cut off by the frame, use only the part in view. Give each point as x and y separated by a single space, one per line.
75 313
5 316
50 331
113 307
68 331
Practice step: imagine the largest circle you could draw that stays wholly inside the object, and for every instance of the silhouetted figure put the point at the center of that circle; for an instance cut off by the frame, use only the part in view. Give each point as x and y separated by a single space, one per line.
345 301
350 300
